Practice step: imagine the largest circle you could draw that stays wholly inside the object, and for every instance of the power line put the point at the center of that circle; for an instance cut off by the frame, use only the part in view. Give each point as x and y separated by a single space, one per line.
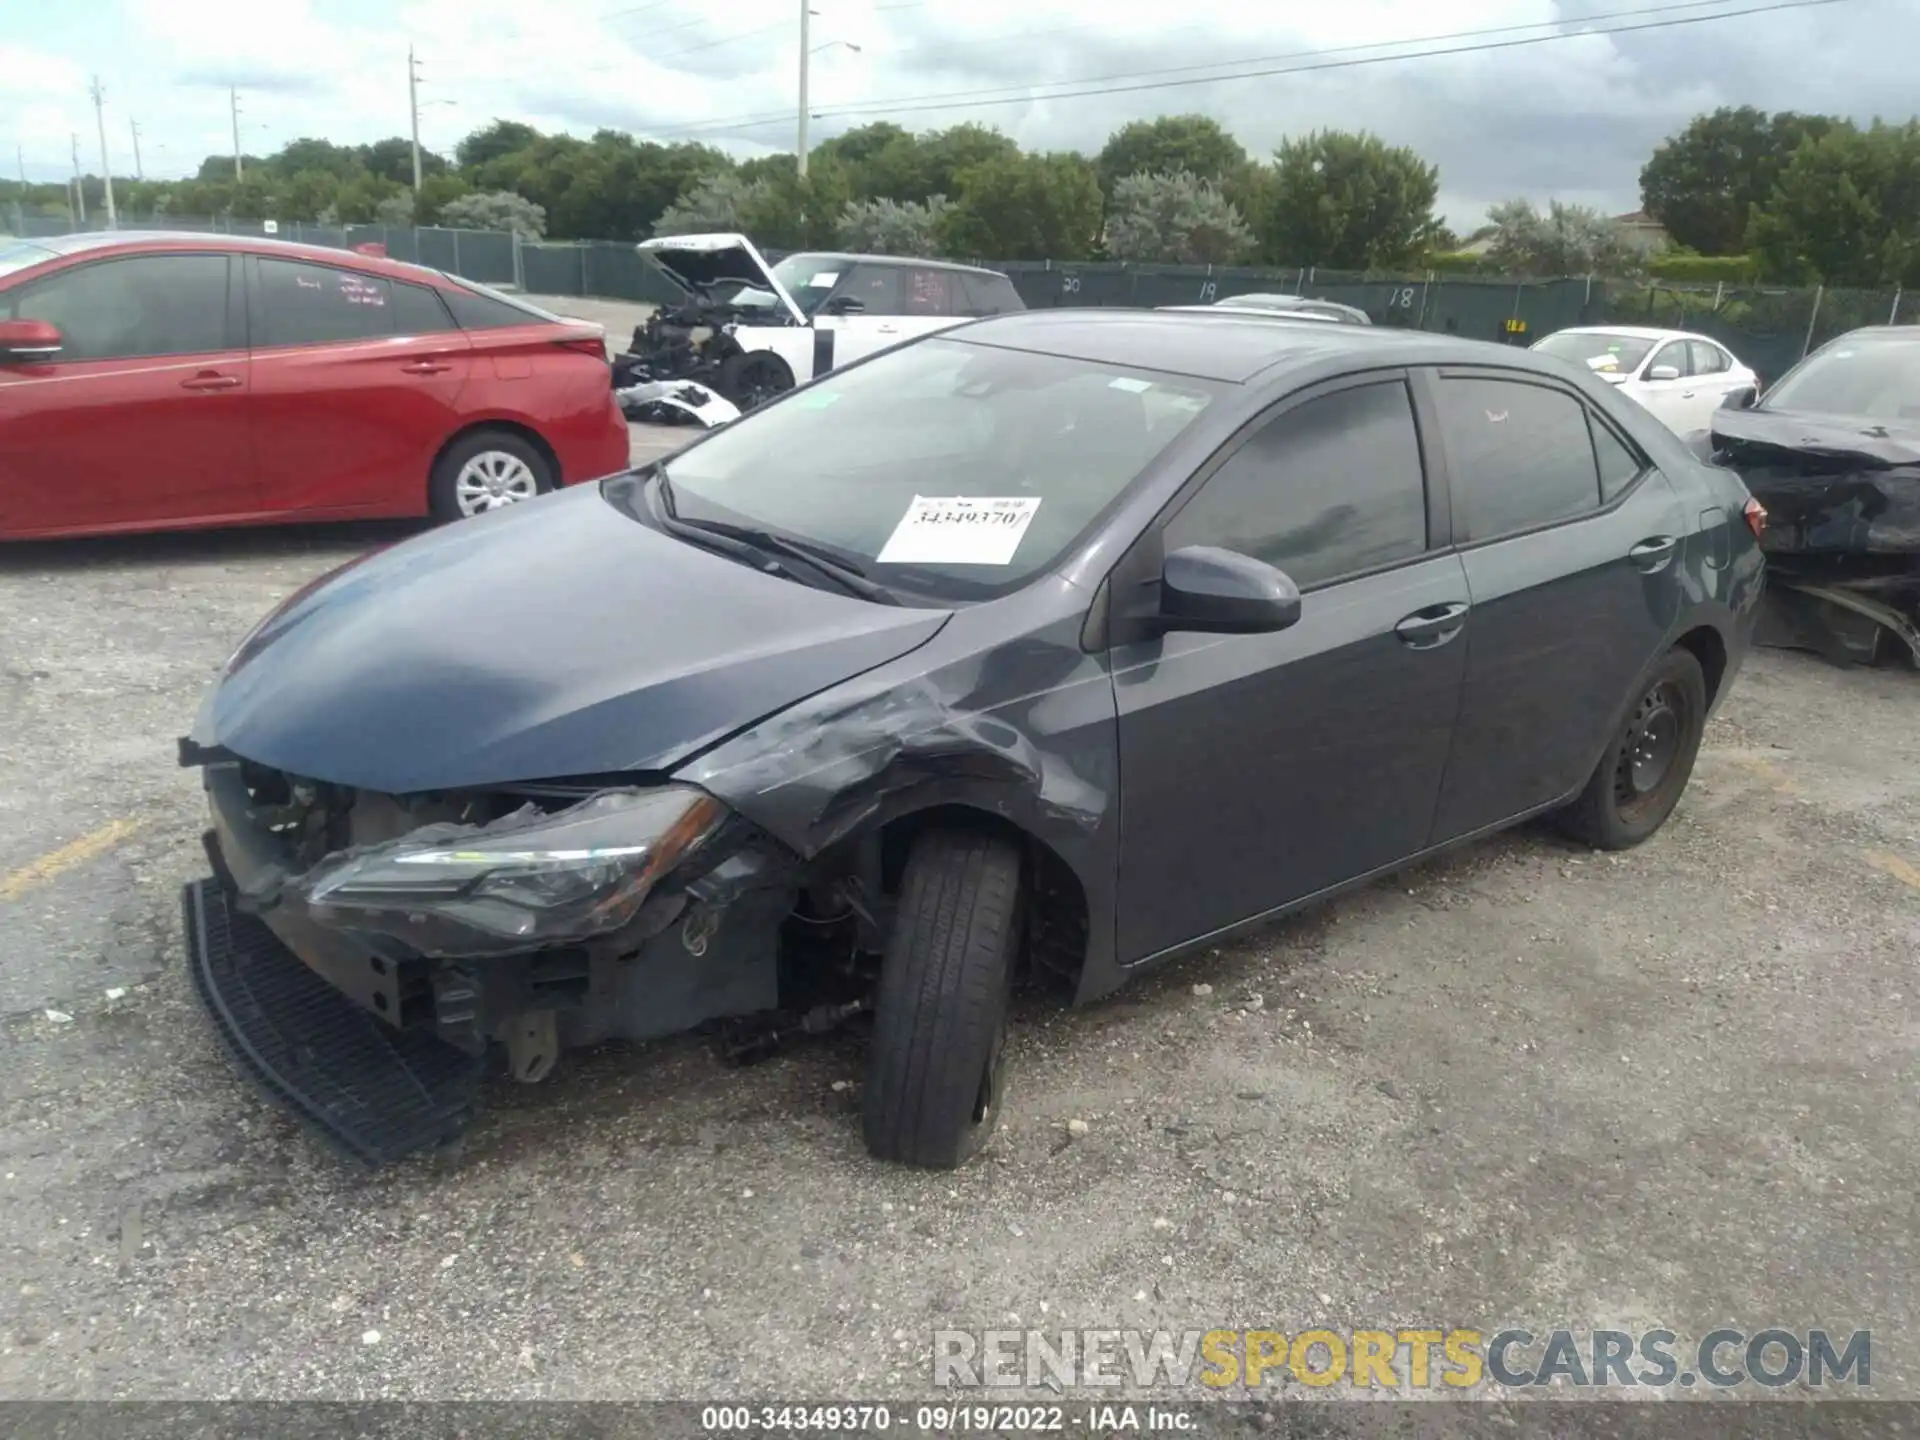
1609 15
960 100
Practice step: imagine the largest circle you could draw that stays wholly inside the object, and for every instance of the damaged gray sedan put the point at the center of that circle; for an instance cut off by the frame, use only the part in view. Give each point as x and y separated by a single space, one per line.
1040 650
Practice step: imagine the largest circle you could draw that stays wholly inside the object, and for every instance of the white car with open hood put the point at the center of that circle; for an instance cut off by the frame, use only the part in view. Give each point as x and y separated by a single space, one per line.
1681 377
750 330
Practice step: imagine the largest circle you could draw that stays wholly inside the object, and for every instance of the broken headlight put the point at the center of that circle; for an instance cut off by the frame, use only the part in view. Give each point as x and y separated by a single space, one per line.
527 880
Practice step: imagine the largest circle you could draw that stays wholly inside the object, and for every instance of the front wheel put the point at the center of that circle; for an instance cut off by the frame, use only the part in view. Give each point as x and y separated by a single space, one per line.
754 377
937 1070
487 470
1640 779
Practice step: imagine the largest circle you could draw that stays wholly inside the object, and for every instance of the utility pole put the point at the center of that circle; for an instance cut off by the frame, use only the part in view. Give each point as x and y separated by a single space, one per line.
233 100
413 104
800 152
134 125
79 185
106 161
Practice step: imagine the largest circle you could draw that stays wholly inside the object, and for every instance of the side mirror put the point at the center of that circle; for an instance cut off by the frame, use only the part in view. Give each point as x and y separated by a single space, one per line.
1664 372
846 305
1223 592
28 342
1742 399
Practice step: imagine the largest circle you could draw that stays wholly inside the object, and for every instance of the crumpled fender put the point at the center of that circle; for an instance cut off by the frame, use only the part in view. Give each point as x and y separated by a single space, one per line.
1028 733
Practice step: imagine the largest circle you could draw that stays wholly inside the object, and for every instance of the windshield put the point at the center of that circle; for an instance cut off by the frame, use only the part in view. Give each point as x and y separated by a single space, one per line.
1604 353
18 255
808 278
953 470
1866 379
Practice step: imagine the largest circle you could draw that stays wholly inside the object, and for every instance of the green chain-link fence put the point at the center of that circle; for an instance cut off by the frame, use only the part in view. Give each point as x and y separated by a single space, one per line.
1768 327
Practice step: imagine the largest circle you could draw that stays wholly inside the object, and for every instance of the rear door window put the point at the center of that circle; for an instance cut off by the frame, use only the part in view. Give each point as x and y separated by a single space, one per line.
990 294
1708 358
417 310
302 304
930 292
1520 455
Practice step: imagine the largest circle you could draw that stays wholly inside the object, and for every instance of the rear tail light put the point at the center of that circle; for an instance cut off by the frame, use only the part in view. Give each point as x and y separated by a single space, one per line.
584 345
1756 514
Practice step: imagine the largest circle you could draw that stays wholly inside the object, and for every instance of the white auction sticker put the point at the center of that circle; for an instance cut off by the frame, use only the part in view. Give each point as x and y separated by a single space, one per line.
960 530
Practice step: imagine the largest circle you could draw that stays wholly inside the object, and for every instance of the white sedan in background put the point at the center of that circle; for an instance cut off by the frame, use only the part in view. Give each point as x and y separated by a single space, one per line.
1681 377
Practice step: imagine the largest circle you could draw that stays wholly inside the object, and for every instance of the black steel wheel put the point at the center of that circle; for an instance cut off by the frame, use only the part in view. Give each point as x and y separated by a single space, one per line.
1645 769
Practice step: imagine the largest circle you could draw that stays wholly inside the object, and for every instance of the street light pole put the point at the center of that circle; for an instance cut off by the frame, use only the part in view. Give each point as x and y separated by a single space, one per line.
134 125
106 161
805 53
79 185
233 99
413 104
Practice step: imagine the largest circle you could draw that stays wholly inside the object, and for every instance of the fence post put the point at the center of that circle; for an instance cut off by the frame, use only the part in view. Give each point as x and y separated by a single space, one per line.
1719 294
1819 292
1426 287
456 254
1893 314
519 265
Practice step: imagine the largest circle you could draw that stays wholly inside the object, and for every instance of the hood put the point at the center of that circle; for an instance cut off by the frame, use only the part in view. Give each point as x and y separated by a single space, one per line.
551 639
1818 437
701 264
1832 486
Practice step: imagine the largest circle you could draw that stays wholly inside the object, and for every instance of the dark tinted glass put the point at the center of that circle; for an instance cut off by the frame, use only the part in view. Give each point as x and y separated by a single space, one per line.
303 304
1619 466
877 287
140 305
994 295
1519 455
1328 488
417 311
475 310
930 292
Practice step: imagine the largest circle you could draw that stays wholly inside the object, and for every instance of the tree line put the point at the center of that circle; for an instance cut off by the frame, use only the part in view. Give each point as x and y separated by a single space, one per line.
1740 193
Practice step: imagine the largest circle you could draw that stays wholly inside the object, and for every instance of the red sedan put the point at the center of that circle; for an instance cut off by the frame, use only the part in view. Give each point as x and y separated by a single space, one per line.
163 381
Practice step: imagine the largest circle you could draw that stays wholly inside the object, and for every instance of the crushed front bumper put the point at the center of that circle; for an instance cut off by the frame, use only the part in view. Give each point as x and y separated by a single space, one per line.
376 1093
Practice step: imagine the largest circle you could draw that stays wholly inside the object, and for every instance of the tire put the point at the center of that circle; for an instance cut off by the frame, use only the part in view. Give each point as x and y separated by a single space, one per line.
486 470
936 1072
1648 762
754 377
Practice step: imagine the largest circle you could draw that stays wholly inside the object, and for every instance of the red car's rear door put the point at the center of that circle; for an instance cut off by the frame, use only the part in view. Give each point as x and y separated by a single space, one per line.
357 381
141 419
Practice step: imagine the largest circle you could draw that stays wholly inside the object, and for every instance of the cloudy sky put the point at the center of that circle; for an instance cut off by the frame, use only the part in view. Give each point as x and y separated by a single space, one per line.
1572 119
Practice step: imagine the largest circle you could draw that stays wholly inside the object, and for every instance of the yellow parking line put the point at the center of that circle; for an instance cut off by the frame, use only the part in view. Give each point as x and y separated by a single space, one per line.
55 862
1904 871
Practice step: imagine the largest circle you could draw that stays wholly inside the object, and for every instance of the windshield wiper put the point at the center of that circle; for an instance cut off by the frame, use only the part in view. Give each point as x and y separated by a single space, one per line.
747 540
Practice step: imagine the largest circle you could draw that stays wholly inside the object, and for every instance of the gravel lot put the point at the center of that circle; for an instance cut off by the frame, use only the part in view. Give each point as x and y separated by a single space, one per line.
1527 1085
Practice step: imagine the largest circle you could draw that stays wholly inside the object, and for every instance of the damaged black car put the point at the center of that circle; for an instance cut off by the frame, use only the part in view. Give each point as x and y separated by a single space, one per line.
1832 451
1037 652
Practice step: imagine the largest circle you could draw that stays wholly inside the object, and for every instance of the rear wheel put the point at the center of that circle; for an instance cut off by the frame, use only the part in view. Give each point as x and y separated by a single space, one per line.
1640 779
753 378
486 470
937 1070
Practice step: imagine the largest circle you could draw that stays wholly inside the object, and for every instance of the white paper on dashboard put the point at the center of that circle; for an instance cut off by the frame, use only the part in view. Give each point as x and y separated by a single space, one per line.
960 530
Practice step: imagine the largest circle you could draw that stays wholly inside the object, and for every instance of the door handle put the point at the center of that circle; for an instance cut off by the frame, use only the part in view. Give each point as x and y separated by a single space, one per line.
1651 555
209 380
1686 394
424 367
1435 625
